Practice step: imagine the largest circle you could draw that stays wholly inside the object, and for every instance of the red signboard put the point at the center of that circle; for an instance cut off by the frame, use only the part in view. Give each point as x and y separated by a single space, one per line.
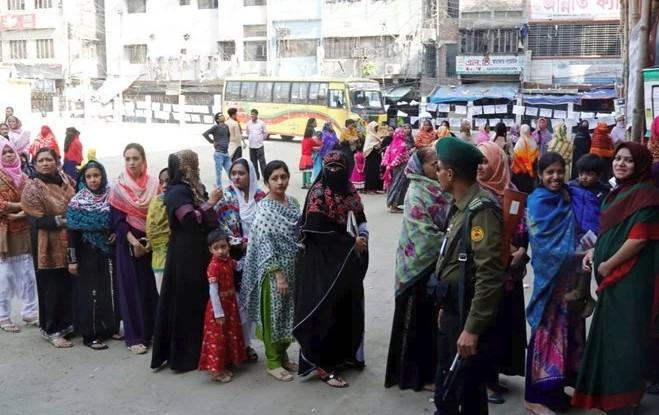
16 22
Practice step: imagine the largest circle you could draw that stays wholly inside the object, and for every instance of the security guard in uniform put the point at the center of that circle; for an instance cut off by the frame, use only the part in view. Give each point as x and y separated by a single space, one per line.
471 251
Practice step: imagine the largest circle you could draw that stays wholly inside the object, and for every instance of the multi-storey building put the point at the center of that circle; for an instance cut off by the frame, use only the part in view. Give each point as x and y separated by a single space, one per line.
58 45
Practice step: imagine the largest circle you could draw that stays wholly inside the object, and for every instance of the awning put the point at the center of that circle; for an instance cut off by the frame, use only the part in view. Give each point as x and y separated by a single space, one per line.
600 94
397 93
113 87
551 99
473 92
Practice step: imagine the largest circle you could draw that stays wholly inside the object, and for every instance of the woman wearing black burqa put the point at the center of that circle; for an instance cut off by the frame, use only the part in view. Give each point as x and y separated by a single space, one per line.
329 314
180 320
581 145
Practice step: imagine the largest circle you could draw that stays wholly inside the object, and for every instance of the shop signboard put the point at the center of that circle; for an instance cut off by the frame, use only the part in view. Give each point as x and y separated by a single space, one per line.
490 64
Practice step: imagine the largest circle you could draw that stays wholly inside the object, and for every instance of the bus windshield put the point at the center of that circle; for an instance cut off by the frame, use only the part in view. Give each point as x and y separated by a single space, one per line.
370 100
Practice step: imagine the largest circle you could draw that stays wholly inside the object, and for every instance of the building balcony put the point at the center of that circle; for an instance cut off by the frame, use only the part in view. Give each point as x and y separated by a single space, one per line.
21 20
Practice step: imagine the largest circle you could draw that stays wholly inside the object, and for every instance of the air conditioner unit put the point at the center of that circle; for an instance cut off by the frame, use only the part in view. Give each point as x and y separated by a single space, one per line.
392 69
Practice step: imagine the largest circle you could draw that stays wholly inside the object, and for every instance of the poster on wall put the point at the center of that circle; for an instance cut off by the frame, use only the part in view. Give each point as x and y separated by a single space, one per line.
574 9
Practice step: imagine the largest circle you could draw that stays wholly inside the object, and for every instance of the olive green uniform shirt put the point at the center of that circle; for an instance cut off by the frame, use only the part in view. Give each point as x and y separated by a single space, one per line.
484 266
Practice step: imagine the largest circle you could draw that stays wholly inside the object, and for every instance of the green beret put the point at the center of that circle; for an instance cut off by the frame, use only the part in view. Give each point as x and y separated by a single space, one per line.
458 153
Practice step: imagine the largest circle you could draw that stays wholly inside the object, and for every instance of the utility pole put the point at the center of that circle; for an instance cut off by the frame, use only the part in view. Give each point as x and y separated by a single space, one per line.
638 111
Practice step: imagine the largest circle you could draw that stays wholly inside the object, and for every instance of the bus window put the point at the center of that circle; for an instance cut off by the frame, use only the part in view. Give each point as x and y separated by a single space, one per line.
248 91
282 92
232 90
336 98
322 93
299 92
366 99
264 92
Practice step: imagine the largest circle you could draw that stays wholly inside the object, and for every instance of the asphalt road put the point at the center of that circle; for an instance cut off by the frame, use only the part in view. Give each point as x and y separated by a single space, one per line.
36 378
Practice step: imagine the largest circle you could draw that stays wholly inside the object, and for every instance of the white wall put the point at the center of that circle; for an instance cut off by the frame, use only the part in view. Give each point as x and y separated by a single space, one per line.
573 71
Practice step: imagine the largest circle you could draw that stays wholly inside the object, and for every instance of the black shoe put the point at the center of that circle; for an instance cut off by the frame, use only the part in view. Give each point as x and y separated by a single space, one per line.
653 388
496 399
252 357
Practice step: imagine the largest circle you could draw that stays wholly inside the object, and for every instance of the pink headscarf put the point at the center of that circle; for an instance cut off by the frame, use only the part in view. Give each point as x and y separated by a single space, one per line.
499 181
13 170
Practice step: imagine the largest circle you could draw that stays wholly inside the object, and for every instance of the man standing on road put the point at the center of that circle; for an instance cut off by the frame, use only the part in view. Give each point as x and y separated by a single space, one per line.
256 135
470 273
219 140
236 142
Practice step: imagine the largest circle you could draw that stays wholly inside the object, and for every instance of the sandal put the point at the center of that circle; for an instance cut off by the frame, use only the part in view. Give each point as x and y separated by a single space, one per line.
222 377
281 374
60 343
117 336
291 366
252 357
137 348
31 321
395 209
337 380
10 327
96 345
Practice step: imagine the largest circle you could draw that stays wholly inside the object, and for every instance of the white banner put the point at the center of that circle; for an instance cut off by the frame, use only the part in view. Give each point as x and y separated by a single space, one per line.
574 9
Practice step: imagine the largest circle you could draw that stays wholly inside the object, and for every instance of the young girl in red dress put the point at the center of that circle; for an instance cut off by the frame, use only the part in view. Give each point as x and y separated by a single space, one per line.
223 343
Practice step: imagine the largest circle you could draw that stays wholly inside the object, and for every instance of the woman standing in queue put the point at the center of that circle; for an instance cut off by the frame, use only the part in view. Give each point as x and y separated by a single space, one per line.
626 261
129 200
412 360
508 334
329 314
268 282
72 152
90 257
179 326
237 211
394 161
157 228
373 154
16 266
558 331
45 200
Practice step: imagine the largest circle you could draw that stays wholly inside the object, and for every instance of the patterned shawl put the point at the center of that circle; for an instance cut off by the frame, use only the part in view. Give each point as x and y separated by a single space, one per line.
89 211
45 139
653 143
525 153
272 247
424 138
40 199
17 230
424 223
133 195
329 139
395 155
372 138
601 143
552 233
499 181
334 202
561 144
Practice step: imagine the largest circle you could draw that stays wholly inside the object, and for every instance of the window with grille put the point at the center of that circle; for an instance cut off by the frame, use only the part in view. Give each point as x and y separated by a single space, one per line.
602 39
429 8
255 30
453 8
297 47
226 49
15 4
184 2
256 51
136 6
504 14
476 15
480 42
18 49
207 4
45 49
355 47
451 53
43 4
430 60
254 3
136 54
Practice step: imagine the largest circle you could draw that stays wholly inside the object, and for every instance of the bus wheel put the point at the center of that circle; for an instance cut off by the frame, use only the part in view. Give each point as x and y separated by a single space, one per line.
287 138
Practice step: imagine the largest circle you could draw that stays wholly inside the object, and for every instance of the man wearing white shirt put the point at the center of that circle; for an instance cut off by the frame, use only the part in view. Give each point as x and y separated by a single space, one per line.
256 135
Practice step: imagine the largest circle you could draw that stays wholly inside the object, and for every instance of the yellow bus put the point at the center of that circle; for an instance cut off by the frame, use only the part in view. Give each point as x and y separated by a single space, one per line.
286 104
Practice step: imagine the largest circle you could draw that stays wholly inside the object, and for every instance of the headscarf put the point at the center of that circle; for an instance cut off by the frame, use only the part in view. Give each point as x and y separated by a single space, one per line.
18 137
89 210
132 195
247 208
333 195
46 138
424 222
12 170
443 131
653 143
425 138
350 134
397 147
601 144
185 170
499 181
329 139
483 136
372 138
561 144
618 132
525 153
514 133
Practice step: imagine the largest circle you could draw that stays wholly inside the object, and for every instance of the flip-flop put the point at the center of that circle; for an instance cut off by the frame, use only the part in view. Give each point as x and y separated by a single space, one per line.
61 343
333 376
281 374
290 366
10 328
97 345
222 377
137 348
31 322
